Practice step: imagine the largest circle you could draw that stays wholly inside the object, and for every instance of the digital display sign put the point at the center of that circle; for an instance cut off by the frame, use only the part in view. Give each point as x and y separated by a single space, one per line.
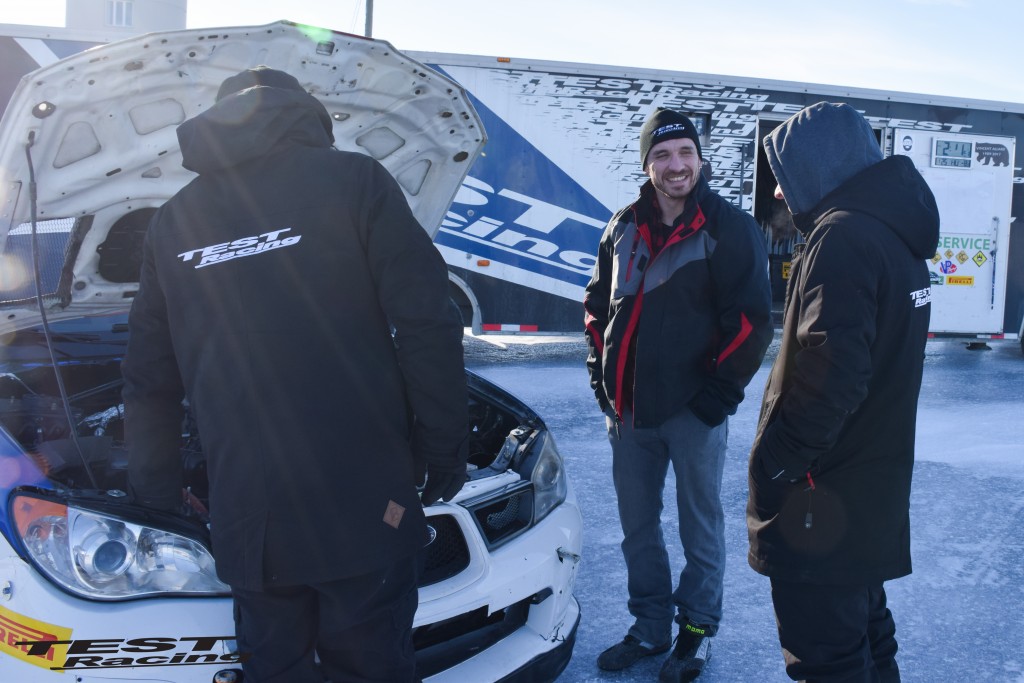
952 153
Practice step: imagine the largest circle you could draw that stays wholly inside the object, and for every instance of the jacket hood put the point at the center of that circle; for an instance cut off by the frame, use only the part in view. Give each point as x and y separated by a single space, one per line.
895 193
826 158
817 149
249 124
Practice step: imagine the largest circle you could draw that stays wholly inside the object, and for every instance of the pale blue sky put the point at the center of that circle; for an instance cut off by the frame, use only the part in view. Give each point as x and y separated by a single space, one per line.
959 48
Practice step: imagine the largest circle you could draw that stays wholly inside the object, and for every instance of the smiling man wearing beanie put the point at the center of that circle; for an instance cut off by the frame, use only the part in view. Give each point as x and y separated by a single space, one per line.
678 318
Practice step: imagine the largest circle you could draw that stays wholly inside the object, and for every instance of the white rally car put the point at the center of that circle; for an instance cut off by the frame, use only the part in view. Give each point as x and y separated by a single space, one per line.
93 588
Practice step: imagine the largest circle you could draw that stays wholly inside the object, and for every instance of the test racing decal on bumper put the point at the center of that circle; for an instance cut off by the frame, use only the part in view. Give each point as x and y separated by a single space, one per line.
17 631
119 653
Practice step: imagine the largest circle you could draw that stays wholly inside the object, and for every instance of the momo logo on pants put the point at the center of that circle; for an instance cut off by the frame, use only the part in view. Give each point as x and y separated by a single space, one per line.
240 248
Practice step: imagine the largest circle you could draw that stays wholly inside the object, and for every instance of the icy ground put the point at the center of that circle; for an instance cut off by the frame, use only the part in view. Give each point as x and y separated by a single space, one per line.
959 616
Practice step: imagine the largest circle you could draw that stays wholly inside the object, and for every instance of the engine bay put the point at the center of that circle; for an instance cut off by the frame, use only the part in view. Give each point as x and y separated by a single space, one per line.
32 412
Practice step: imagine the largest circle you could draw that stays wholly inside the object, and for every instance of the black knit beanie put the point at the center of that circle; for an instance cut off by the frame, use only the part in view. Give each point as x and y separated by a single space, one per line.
258 75
665 124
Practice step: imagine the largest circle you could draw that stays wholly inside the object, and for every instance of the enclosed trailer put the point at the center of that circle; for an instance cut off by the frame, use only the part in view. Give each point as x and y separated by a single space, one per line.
562 155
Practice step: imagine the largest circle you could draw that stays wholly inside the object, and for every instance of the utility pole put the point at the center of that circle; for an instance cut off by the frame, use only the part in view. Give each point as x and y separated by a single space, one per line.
369 18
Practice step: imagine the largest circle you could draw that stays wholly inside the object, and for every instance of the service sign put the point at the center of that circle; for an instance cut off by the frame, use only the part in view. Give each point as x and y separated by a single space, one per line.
972 178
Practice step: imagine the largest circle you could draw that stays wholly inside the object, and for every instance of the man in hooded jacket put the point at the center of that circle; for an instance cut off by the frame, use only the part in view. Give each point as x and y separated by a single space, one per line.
290 294
830 468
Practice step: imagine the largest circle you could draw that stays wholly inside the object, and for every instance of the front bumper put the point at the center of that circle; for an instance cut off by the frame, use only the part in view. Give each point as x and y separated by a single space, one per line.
509 616
511 612
550 665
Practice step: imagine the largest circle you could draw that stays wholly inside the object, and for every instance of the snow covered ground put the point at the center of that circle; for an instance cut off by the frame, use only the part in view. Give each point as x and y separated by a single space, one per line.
959 616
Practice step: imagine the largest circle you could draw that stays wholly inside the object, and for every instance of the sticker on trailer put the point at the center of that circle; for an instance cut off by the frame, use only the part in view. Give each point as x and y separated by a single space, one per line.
964 280
979 259
963 242
990 154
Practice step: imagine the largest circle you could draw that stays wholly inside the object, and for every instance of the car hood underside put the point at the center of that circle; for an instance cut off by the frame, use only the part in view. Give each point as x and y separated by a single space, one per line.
88 147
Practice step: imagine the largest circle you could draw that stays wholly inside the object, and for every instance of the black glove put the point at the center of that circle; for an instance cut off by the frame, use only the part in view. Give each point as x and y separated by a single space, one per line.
442 484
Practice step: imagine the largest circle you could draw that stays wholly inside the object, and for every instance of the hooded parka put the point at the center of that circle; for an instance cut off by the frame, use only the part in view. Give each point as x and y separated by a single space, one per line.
830 468
290 294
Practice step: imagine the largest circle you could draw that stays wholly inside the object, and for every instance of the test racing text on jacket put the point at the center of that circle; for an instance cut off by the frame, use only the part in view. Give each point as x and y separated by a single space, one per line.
281 298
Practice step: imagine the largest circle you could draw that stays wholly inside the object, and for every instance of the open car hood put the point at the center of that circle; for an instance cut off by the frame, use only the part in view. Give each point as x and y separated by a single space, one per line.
94 135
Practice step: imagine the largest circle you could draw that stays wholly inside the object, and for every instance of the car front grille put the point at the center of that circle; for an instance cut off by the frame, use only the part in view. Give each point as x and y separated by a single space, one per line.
442 645
446 554
505 516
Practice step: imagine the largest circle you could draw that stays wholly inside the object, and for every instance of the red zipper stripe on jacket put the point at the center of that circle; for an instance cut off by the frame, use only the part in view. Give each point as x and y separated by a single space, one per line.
680 234
684 231
745 329
596 336
620 366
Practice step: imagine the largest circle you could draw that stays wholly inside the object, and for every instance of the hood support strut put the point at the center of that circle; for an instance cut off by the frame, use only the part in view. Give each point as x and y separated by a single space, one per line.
65 402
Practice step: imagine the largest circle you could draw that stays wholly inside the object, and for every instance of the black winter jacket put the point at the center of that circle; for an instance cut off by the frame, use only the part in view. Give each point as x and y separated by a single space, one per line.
269 289
841 401
699 312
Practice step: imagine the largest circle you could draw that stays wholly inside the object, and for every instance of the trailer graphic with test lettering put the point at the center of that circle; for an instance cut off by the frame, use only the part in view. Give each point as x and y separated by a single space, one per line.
521 237
562 157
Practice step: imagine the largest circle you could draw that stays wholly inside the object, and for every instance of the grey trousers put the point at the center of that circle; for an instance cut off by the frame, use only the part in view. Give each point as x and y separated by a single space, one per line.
640 460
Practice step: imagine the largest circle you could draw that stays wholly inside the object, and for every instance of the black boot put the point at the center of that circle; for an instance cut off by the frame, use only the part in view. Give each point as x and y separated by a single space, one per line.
691 653
626 654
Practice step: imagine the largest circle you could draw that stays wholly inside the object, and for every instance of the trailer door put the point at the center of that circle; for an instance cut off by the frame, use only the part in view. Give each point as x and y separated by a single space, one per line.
972 179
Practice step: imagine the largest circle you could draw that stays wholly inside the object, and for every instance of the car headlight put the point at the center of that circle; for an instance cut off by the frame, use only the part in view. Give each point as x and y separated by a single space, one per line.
102 557
547 474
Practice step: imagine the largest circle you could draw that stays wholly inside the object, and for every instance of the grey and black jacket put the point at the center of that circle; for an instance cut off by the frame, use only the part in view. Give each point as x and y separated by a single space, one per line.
270 288
695 318
830 468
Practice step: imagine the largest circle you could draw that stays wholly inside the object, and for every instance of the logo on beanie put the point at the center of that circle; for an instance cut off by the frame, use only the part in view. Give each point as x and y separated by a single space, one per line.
670 128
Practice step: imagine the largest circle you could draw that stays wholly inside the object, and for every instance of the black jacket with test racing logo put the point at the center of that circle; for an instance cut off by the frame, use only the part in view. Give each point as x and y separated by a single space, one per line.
689 325
290 294
841 401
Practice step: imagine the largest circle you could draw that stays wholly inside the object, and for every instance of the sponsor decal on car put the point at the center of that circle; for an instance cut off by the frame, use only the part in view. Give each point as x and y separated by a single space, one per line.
119 653
18 632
